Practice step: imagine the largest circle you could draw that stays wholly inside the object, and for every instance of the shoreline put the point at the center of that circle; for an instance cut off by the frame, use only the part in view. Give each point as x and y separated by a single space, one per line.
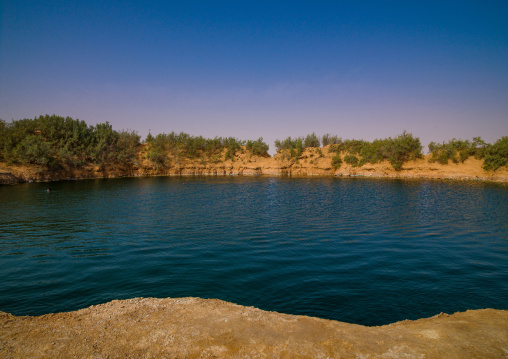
15 176
313 162
350 176
195 327
13 180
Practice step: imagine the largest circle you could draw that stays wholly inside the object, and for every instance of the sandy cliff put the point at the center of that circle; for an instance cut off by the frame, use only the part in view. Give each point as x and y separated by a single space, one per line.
312 162
210 328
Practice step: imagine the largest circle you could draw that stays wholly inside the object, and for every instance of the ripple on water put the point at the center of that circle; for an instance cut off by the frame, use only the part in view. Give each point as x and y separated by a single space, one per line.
355 250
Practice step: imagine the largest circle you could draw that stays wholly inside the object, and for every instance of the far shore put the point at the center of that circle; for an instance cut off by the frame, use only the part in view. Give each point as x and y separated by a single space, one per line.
313 162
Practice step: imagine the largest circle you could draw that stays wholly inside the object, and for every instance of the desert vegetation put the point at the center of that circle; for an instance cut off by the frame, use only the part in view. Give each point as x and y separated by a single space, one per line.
356 153
55 142
397 151
494 156
58 142
183 145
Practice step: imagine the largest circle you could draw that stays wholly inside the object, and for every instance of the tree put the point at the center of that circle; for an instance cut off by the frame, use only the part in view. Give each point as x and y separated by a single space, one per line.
33 149
149 138
311 141
258 147
496 155
404 148
329 139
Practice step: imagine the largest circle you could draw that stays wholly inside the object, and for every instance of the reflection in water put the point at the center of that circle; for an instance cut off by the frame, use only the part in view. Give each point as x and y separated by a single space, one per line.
357 250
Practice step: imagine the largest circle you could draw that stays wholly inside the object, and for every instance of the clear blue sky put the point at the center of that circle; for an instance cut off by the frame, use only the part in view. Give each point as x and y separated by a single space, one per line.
358 69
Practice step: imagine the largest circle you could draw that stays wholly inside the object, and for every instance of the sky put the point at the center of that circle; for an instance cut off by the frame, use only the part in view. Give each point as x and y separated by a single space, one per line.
271 69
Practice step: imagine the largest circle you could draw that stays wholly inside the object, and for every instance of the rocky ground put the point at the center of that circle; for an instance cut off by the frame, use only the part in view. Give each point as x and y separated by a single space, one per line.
210 328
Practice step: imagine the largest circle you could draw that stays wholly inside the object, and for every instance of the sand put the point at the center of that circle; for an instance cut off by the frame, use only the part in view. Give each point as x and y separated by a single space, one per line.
313 162
210 328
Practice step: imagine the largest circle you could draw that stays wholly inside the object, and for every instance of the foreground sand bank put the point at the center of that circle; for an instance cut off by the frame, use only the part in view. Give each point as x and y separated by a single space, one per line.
208 328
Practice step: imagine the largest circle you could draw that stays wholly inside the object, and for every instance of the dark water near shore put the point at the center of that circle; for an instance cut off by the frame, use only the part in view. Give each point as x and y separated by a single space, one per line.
356 250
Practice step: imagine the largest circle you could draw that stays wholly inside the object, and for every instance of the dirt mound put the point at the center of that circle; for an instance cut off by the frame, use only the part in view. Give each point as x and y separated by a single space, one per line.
210 328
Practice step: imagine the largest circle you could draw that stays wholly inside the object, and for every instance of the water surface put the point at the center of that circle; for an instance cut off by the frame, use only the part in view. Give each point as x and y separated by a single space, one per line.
356 250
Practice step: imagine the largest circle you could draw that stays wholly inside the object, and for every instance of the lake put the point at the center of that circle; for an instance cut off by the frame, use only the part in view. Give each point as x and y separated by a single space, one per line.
365 251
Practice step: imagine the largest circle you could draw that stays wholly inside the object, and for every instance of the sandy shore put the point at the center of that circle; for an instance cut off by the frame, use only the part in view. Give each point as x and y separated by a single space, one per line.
312 162
210 328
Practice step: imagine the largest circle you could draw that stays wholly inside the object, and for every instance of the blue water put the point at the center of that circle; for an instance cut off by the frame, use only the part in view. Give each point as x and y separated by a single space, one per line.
362 251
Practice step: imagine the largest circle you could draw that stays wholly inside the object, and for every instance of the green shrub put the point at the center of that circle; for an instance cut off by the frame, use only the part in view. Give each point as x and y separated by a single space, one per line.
404 148
126 148
397 151
293 146
454 150
329 139
335 148
232 146
311 141
296 146
351 160
157 151
336 161
258 147
149 138
33 149
496 155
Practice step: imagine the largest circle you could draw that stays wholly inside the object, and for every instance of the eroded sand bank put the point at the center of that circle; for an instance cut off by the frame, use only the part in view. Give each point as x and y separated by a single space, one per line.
210 328
312 162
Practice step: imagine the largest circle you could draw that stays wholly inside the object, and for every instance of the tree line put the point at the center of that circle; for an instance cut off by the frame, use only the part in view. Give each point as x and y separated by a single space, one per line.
356 153
494 155
398 150
56 142
213 149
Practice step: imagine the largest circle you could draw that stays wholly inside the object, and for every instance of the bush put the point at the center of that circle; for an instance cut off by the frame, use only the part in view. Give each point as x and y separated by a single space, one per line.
329 139
149 138
442 153
126 148
496 155
33 149
258 147
293 146
311 141
404 148
296 146
336 161
157 151
351 160
54 141
232 146
399 150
